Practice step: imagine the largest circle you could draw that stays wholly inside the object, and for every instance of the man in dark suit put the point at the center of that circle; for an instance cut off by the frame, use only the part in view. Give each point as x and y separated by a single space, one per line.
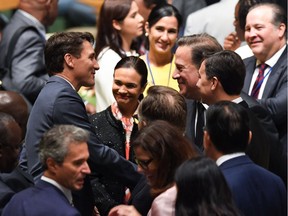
70 60
63 153
269 47
28 74
190 52
12 180
221 77
255 190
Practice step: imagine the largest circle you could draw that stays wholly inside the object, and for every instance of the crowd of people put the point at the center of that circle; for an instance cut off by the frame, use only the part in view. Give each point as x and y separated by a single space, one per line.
190 115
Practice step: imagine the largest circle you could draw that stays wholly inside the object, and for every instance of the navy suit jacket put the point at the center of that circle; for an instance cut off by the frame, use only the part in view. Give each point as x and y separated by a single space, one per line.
255 190
43 199
274 97
261 124
11 183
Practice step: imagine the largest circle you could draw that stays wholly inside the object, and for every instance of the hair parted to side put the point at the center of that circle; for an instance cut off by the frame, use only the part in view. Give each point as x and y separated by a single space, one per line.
229 69
62 43
136 63
107 35
202 46
55 142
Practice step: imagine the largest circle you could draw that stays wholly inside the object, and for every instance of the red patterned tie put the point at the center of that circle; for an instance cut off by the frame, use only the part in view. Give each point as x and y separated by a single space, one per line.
258 81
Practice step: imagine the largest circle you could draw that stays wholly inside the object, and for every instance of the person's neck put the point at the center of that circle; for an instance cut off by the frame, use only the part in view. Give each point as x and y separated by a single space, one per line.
69 79
129 110
159 60
126 44
226 97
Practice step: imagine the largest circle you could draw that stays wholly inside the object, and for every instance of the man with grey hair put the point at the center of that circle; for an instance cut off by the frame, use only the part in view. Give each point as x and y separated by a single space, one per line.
63 153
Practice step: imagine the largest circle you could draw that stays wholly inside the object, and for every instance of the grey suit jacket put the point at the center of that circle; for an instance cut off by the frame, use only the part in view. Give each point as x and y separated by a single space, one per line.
28 67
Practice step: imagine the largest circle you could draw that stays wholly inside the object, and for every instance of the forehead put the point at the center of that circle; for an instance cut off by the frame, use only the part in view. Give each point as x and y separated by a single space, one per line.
168 22
87 48
183 55
134 7
261 14
127 73
76 151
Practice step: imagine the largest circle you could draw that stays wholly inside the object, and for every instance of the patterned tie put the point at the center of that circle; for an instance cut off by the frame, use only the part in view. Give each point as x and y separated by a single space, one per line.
258 81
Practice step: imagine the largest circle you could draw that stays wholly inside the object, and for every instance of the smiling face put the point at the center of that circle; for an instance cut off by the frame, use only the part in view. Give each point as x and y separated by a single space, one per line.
262 36
127 88
162 35
84 66
186 73
151 168
132 25
72 171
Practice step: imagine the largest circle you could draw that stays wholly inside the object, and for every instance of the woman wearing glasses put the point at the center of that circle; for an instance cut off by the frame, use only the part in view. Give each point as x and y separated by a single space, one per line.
159 149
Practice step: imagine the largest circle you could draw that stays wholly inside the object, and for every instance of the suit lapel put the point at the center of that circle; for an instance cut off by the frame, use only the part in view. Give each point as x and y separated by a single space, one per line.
250 64
276 72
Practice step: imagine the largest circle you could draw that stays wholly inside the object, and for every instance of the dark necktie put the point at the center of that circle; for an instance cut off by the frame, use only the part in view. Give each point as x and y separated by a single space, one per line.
199 126
258 81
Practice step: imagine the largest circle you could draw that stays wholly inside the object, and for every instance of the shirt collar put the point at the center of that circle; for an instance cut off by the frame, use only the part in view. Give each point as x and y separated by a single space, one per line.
237 100
227 157
65 190
66 81
273 60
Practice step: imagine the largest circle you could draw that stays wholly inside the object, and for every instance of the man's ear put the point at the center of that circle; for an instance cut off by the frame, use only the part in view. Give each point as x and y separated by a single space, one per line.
282 27
215 83
68 58
116 24
51 165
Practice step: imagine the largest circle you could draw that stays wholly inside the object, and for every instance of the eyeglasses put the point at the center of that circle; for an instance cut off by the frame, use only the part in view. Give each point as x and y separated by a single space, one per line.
143 163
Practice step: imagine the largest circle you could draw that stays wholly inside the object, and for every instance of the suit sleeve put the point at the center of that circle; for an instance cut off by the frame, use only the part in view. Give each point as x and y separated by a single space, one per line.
28 69
277 105
71 110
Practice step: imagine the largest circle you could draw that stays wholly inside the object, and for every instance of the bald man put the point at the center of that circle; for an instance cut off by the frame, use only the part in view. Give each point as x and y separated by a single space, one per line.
14 104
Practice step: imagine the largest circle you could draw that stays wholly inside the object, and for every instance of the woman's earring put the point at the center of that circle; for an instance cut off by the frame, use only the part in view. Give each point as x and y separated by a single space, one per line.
146 34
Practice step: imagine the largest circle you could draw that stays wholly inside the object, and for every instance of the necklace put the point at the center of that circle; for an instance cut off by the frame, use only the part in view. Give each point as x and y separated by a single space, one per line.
151 72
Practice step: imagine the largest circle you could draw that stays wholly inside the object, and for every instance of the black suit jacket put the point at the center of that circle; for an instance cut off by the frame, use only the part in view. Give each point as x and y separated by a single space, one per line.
262 126
260 122
190 123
